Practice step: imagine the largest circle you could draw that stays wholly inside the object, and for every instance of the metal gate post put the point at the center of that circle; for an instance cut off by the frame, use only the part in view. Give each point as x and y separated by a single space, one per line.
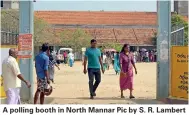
163 48
25 27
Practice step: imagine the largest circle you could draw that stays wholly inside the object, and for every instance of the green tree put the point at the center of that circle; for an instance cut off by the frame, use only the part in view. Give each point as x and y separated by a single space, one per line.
43 32
10 20
109 45
75 39
177 20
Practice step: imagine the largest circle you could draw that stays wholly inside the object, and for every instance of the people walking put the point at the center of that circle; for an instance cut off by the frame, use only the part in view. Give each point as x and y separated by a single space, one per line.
12 78
57 59
146 56
126 76
109 60
71 59
52 63
41 66
104 60
93 56
116 63
65 57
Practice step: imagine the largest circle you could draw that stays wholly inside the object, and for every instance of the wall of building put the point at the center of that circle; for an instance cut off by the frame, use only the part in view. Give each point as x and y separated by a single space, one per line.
181 7
6 5
12 4
15 4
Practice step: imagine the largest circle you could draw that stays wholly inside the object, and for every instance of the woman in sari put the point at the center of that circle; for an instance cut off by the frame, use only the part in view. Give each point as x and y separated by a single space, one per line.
116 63
126 65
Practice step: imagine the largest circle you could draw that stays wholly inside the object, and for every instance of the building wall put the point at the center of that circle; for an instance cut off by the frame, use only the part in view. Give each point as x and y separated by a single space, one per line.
6 5
15 4
12 4
181 7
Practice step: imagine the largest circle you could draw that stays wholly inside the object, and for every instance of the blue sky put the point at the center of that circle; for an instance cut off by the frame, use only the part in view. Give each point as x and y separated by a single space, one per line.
148 6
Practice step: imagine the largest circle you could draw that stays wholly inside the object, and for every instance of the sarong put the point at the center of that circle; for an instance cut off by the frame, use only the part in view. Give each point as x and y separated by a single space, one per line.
41 85
13 96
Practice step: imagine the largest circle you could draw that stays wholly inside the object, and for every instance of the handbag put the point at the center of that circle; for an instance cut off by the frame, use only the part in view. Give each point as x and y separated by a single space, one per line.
123 74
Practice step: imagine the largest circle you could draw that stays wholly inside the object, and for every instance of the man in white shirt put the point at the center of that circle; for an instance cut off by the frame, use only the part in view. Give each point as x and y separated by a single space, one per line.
12 78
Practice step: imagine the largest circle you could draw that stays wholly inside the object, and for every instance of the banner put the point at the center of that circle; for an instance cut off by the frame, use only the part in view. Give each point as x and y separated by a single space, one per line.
179 72
94 109
25 46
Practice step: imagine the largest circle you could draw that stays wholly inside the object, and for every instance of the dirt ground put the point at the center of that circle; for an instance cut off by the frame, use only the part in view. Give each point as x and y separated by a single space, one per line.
71 86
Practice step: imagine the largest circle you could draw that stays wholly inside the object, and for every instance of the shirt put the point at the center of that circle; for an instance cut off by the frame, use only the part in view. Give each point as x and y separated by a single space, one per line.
71 56
126 61
10 71
65 54
41 64
104 58
52 63
93 55
147 54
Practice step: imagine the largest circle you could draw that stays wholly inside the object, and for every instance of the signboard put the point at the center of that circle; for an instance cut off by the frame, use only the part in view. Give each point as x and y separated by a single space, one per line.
25 46
179 72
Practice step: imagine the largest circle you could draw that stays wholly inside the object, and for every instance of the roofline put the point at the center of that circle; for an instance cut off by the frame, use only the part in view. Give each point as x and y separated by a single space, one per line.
133 44
93 11
101 26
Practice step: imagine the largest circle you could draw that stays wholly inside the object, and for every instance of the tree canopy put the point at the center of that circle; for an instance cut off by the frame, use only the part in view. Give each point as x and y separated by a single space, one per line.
42 32
10 20
176 20
75 39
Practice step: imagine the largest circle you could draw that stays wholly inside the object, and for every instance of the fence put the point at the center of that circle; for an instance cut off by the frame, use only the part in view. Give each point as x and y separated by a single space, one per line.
177 35
9 27
9 38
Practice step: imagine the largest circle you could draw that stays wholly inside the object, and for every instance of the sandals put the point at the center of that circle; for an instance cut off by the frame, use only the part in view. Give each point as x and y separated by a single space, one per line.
122 96
131 97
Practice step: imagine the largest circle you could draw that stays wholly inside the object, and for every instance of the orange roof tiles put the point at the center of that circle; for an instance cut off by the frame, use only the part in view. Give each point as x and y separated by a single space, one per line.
121 36
100 17
127 35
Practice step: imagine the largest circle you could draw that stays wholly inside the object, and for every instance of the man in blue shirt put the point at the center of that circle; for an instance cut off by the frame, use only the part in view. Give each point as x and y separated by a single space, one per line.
93 56
41 66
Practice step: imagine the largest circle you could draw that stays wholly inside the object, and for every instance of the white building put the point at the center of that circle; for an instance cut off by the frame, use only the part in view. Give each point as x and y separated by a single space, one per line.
12 4
181 7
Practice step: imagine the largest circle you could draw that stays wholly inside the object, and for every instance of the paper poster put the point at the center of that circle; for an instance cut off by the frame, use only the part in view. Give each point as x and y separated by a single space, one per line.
179 72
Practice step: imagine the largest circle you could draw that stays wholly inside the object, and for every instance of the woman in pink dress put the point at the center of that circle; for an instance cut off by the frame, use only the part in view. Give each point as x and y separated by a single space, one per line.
127 64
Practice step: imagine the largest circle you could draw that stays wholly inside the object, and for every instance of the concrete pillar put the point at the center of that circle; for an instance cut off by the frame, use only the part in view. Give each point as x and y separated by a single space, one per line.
163 48
25 27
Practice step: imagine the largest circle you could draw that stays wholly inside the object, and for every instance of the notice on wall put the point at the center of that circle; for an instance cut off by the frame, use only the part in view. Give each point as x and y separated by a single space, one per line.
179 72
25 46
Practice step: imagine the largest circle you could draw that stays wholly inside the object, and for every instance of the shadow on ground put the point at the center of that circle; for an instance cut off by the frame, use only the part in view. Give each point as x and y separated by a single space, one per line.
49 100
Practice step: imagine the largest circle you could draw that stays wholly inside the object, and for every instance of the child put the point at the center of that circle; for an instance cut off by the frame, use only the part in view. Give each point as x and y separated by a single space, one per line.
52 63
